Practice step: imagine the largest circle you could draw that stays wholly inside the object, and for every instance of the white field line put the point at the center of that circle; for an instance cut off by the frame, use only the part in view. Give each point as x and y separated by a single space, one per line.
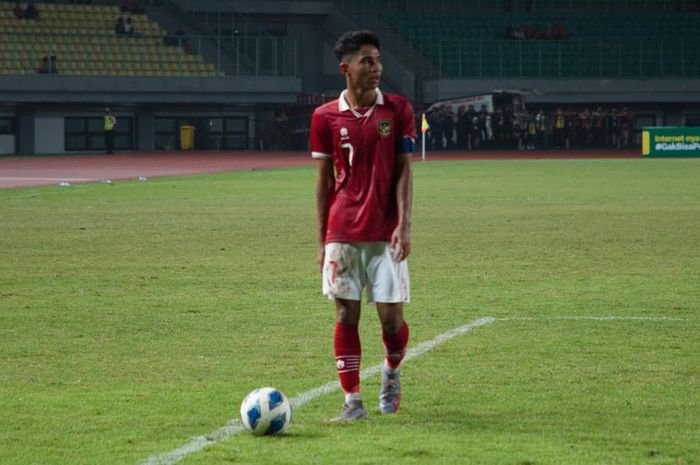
593 318
234 426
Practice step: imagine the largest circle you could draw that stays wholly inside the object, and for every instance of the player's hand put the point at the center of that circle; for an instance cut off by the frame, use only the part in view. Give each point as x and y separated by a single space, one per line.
400 243
321 256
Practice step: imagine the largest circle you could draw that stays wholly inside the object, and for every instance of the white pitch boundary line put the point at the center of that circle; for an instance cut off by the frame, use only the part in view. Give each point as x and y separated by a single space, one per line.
234 426
593 318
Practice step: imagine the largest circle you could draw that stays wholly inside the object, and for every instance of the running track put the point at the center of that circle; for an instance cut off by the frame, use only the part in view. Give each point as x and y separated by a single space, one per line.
52 170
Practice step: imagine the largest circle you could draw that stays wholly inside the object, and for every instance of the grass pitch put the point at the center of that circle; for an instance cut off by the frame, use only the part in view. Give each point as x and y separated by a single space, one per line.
137 315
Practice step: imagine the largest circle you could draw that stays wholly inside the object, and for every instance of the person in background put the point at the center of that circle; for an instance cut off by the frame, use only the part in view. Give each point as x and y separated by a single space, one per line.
43 66
625 127
18 11
119 26
110 122
128 27
32 12
462 128
558 129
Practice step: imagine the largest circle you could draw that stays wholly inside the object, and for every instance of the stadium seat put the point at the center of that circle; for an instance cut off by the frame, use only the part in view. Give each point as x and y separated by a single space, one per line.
83 39
591 49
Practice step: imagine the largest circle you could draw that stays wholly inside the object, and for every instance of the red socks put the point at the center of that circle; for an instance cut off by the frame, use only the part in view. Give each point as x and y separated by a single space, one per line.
395 345
346 342
348 352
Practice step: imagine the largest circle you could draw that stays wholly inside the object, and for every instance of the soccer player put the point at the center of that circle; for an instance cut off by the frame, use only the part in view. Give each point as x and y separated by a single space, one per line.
363 143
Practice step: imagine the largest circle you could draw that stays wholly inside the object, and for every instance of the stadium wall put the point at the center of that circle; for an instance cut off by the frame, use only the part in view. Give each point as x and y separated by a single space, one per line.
39 105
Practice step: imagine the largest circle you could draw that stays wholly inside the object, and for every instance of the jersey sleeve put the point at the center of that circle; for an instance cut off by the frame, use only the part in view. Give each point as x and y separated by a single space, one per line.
406 133
320 140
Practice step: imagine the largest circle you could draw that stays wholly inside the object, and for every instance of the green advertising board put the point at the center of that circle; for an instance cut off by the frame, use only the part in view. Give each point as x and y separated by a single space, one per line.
671 142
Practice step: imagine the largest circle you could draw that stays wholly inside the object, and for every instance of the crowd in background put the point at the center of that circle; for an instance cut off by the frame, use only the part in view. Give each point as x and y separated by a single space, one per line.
30 12
503 129
469 129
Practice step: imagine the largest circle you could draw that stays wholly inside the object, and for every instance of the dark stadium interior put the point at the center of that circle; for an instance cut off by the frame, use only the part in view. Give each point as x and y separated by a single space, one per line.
246 75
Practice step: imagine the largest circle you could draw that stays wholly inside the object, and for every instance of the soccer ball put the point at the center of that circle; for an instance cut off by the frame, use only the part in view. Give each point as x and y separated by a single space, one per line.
266 411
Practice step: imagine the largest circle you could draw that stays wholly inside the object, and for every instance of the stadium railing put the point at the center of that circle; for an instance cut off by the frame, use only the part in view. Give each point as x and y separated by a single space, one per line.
650 58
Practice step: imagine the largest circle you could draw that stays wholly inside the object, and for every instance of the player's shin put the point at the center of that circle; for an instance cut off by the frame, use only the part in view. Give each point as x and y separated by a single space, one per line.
395 345
348 353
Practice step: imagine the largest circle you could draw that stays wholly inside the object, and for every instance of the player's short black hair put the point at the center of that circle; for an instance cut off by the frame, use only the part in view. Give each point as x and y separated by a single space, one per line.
351 42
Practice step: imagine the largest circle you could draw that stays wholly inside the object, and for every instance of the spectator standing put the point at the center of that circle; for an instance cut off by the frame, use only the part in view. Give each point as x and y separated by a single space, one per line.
570 120
612 128
598 121
280 130
48 65
119 27
128 27
435 129
498 126
508 127
473 120
18 11
53 64
43 66
483 136
448 126
625 127
110 122
584 129
187 47
531 131
558 128
462 129
541 128
521 128
488 130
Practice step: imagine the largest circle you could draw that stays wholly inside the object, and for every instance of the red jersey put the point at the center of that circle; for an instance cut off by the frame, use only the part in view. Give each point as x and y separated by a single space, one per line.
363 148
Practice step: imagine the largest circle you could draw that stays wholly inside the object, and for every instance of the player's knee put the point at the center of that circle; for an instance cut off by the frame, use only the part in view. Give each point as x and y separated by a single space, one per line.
347 312
393 326
391 317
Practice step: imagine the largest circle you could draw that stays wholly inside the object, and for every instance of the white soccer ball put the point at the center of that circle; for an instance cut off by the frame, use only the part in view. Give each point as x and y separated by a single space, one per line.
266 411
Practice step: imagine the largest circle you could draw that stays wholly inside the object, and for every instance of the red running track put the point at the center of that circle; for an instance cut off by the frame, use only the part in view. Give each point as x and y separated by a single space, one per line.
48 170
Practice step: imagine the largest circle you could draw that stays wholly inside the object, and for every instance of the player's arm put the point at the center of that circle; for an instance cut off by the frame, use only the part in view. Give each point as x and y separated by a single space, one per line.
321 145
401 237
325 184
405 145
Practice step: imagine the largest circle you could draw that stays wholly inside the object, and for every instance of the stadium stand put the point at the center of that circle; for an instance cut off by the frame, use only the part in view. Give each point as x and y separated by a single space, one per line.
661 44
268 56
83 41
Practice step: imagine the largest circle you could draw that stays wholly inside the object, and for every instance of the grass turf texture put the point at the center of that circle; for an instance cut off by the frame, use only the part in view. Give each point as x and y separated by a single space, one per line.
134 316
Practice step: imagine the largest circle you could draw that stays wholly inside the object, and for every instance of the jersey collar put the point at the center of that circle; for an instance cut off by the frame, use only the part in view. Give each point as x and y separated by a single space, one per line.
344 106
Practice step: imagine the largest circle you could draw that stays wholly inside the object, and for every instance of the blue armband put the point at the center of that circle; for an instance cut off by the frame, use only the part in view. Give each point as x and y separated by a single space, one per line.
405 145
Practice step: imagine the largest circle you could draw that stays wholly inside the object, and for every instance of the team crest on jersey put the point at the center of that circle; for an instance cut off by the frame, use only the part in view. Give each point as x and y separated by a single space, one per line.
344 134
384 127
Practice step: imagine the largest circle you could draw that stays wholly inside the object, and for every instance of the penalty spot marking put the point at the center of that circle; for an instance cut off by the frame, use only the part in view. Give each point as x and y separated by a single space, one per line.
234 426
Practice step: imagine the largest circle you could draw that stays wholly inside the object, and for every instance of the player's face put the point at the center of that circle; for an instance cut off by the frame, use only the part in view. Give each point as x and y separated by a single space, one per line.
364 69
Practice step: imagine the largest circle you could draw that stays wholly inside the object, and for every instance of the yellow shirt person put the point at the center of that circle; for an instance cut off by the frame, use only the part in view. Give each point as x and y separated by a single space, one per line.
110 122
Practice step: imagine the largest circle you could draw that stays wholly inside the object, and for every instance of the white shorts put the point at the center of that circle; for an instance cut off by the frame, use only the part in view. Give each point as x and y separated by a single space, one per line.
349 267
